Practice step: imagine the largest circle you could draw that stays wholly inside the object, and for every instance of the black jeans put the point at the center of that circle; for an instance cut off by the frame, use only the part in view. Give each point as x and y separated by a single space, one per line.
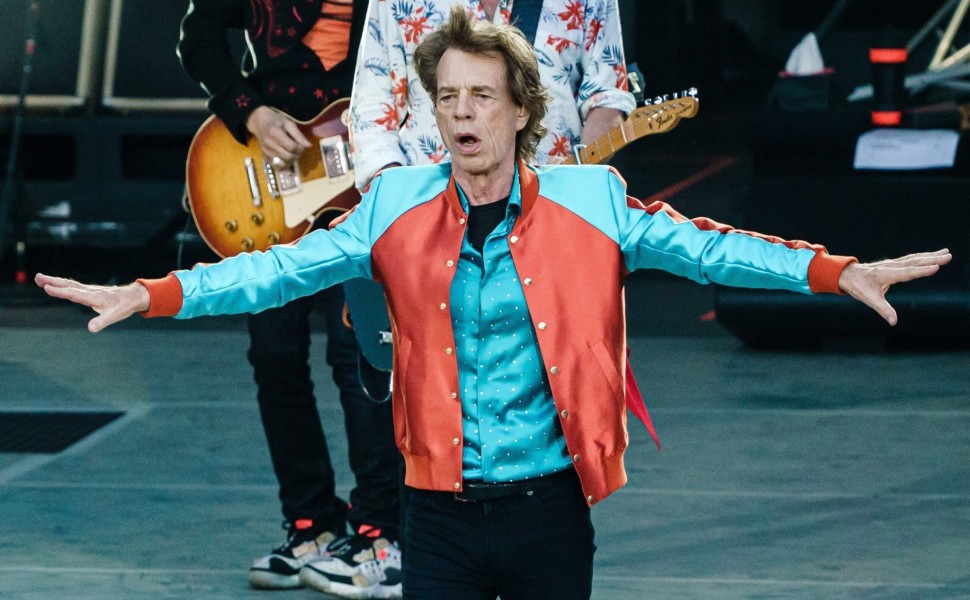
522 547
279 354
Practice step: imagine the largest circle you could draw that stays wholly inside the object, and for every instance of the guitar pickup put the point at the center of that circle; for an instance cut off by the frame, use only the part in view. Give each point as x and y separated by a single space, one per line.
283 181
336 158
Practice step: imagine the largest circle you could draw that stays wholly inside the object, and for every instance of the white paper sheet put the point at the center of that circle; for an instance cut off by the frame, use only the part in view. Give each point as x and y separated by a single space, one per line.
905 149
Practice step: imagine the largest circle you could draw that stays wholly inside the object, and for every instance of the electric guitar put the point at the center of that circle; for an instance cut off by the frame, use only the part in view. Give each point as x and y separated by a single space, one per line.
240 202
366 298
660 115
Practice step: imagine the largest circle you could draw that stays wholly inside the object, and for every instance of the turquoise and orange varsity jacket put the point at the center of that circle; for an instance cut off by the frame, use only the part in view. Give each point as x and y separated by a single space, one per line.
578 236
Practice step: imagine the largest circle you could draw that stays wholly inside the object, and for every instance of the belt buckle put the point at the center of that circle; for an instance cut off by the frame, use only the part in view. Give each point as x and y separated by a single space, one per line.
460 498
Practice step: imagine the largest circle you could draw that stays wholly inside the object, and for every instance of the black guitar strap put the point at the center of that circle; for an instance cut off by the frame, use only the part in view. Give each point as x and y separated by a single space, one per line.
525 16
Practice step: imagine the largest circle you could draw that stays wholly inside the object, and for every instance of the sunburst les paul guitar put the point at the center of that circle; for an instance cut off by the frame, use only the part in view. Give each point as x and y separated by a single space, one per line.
241 202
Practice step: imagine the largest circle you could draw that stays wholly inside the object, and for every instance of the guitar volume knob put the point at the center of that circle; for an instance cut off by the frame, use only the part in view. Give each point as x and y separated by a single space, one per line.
232 225
273 237
247 244
258 218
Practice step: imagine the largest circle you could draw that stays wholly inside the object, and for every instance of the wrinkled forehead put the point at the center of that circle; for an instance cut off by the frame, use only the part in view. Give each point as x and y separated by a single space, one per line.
459 69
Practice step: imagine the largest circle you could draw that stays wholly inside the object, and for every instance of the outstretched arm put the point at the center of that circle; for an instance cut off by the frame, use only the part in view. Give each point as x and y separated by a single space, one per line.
869 282
112 303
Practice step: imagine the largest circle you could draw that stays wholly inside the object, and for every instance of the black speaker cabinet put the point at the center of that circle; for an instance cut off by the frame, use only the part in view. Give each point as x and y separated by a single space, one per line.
66 49
803 187
141 69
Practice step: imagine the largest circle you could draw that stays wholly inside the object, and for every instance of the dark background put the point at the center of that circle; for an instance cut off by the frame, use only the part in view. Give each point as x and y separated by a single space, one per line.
100 170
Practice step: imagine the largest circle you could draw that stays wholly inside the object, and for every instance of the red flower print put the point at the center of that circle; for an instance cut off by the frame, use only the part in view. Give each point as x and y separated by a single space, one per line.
573 15
414 26
561 145
595 26
560 43
620 71
399 88
389 120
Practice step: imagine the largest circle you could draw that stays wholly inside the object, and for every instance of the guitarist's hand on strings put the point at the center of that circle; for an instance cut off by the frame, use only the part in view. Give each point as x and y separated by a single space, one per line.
279 138
598 123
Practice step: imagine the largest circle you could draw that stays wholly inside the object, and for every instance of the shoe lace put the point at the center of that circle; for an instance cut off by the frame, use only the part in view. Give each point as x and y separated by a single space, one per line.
347 545
357 547
296 536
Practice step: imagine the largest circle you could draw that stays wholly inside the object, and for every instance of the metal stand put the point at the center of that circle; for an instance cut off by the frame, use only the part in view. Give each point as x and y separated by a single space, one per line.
9 183
948 65
20 293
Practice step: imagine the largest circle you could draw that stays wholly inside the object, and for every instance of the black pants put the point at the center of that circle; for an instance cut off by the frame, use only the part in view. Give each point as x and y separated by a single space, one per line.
523 547
279 354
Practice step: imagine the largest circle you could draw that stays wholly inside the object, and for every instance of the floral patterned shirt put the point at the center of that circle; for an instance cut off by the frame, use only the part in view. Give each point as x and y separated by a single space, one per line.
579 48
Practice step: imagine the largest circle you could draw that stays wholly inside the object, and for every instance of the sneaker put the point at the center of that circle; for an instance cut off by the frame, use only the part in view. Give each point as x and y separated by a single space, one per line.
361 566
280 570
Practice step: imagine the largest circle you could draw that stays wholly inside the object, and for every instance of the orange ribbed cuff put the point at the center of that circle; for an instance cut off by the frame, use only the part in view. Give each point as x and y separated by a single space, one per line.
165 296
824 272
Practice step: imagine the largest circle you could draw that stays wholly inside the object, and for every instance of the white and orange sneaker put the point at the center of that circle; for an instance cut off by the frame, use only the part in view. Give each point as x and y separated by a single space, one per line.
361 566
280 569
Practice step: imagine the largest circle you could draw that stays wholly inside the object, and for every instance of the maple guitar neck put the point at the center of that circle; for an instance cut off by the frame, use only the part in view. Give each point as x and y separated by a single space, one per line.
661 115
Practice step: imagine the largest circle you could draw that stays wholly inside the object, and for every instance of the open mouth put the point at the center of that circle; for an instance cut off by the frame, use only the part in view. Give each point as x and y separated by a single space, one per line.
467 142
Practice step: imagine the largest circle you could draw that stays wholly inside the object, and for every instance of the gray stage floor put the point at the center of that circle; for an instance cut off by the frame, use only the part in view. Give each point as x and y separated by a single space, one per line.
783 475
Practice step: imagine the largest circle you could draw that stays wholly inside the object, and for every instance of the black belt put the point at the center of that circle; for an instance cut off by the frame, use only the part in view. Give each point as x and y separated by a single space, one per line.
479 491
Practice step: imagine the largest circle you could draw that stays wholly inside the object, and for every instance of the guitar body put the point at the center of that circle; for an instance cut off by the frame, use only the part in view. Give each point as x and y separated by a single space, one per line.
372 324
241 203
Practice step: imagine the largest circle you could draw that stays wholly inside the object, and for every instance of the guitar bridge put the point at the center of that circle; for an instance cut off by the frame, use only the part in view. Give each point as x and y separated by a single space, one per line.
336 158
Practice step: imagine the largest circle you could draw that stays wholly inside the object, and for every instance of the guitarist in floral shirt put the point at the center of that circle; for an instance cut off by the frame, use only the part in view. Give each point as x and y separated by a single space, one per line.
580 51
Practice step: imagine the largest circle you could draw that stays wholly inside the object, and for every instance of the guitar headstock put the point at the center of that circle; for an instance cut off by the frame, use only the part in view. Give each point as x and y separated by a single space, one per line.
662 113
659 115
684 104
